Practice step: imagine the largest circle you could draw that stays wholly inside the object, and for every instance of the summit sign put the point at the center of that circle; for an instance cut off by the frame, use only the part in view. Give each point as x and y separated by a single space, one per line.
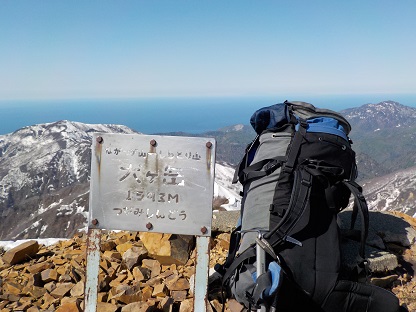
152 183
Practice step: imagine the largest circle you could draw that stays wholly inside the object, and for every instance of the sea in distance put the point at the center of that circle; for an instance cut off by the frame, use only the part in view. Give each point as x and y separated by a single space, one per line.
164 115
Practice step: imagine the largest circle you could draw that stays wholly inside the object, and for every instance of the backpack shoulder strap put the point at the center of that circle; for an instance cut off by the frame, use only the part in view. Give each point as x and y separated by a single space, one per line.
295 145
360 206
247 159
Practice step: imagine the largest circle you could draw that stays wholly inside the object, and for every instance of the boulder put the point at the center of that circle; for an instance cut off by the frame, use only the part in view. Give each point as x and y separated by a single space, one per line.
134 256
21 252
168 248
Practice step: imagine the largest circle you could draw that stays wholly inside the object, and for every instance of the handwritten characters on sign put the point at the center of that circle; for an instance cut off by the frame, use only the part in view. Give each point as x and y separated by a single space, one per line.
189 155
139 172
171 214
171 176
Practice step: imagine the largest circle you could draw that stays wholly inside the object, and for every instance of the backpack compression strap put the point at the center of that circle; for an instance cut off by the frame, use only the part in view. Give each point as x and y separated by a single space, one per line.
283 190
300 195
233 265
303 177
232 251
360 206
260 169
295 145
247 158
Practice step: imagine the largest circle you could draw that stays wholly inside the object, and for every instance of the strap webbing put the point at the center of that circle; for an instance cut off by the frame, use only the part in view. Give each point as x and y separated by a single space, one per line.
247 158
295 145
232 250
360 205
301 192
260 169
246 254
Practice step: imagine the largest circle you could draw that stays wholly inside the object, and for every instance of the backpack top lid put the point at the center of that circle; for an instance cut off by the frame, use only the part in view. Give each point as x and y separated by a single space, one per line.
269 117
277 115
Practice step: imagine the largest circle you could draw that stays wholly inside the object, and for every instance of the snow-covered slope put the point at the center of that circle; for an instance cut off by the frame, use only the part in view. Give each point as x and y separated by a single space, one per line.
44 178
393 192
223 186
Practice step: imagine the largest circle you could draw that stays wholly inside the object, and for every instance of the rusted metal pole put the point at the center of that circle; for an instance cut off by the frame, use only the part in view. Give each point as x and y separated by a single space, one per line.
93 265
201 273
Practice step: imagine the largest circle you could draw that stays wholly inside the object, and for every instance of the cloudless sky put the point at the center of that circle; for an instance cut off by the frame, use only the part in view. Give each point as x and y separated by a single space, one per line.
127 49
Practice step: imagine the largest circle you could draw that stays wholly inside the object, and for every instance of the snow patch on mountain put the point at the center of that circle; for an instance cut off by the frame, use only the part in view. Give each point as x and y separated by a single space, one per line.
223 186
383 115
393 192
44 177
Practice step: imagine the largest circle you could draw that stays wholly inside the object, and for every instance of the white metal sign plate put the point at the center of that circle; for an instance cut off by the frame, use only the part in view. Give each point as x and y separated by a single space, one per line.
152 183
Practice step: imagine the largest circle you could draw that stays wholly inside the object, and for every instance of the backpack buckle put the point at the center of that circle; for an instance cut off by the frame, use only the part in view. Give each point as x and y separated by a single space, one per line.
303 123
288 169
272 166
306 183
251 301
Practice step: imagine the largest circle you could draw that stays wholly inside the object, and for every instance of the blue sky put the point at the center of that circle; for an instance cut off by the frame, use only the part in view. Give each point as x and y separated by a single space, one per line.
128 49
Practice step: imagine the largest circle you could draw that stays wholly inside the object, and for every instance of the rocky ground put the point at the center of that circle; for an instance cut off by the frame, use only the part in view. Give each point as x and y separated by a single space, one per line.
406 292
39 278
405 286
140 273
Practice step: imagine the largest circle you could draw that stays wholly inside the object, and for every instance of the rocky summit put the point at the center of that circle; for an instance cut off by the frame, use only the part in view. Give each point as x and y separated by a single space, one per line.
138 272
155 272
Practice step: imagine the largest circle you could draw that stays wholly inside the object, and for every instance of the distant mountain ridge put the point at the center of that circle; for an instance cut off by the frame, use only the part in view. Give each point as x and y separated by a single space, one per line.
231 141
384 137
384 115
44 169
45 175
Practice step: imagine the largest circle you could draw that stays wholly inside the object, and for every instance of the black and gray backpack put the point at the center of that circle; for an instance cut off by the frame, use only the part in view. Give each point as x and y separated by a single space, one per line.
297 174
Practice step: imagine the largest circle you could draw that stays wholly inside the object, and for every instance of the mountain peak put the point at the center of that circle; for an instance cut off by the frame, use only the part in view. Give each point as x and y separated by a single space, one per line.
388 106
383 115
46 167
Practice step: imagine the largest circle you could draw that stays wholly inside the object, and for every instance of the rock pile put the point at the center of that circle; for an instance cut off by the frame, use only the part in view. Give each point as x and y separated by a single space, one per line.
134 274
155 272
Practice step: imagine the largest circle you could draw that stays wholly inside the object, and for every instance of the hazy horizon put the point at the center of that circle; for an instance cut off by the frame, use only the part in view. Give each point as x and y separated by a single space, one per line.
155 115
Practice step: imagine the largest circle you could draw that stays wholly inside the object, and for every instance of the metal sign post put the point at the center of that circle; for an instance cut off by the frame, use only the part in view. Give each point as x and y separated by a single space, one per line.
153 184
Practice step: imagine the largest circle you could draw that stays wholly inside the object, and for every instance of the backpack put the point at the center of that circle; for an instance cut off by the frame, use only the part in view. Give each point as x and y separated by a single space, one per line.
284 255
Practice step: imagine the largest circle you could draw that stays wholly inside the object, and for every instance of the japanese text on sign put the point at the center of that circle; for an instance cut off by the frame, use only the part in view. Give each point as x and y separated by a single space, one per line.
140 179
